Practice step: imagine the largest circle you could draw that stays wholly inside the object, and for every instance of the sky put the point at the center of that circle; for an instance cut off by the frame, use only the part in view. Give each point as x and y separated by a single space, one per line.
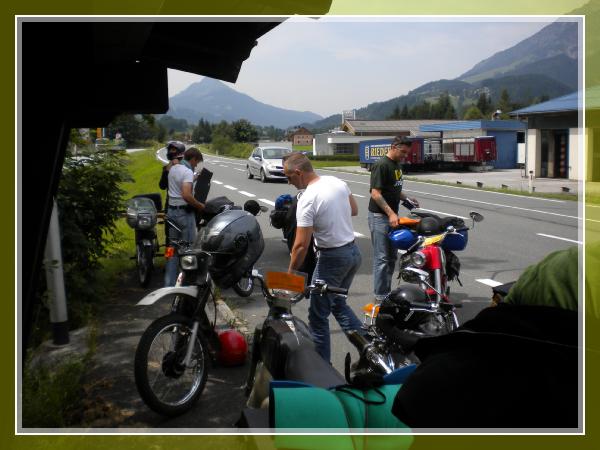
328 65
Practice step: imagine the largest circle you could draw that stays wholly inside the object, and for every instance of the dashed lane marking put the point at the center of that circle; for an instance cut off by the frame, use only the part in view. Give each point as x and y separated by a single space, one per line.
489 282
359 235
247 194
230 187
268 202
217 182
443 213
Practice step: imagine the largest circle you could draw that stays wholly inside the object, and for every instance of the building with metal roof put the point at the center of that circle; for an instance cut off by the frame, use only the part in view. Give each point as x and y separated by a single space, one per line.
353 132
554 139
508 134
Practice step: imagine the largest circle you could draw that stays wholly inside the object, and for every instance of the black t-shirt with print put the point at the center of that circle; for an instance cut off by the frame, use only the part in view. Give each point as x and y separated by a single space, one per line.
386 176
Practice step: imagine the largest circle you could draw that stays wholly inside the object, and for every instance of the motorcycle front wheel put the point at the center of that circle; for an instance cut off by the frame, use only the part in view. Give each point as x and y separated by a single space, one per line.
245 286
145 264
163 381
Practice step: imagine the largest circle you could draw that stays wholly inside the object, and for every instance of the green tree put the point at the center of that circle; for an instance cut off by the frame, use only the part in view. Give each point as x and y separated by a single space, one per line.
395 113
504 104
404 113
135 128
224 128
244 131
202 132
484 104
473 113
221 144
90 201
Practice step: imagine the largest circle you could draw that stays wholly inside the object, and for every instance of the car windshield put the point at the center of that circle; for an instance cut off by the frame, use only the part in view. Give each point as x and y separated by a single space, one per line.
275 153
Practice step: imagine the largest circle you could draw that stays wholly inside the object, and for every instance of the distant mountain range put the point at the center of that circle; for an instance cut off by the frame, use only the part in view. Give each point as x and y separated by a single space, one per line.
544 64
214 101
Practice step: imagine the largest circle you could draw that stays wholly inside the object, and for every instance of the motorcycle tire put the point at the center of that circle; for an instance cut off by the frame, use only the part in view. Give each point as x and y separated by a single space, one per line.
145 263
245 286
158 359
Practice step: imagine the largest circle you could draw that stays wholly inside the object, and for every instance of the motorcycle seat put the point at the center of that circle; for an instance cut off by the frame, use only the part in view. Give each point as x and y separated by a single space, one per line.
306 365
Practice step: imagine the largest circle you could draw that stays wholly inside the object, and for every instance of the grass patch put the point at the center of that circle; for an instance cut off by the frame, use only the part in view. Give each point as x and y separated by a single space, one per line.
52 393
302 148
322 164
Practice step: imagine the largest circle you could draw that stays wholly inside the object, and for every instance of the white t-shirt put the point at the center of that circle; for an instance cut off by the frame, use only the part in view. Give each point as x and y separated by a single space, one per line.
178 174
325 206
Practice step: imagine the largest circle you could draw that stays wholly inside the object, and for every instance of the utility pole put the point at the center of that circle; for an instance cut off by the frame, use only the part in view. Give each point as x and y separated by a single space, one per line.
55 282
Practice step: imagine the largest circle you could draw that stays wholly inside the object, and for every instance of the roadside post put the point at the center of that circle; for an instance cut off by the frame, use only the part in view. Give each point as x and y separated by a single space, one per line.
531 188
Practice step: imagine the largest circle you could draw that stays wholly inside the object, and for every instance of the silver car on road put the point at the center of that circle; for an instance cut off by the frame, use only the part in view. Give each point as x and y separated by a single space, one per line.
265 163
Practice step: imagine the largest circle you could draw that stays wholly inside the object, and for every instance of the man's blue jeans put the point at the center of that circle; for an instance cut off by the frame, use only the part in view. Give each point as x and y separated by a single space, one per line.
337 268
187 222
384 255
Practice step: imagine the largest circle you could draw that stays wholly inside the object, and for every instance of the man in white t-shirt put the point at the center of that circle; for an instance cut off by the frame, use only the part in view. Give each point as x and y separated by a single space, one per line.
325 211
181 206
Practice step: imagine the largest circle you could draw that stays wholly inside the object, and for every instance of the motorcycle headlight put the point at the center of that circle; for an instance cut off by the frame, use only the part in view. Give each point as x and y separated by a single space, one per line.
417 259
189 262
144 222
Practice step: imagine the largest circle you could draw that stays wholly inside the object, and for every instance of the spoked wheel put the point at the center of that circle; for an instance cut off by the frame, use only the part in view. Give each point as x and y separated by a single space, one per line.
245 286
145 264
163 381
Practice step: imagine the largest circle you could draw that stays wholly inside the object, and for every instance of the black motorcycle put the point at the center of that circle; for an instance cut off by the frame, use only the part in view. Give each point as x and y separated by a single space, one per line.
142 217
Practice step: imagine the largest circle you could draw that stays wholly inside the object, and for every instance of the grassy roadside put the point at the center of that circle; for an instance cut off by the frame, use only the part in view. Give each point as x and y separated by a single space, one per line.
145 170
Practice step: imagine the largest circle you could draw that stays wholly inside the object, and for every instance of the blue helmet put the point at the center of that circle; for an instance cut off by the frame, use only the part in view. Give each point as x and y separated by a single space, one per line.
402 239
282 201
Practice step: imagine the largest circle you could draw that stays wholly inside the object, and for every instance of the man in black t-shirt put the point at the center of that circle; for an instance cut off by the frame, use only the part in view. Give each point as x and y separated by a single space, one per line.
386 195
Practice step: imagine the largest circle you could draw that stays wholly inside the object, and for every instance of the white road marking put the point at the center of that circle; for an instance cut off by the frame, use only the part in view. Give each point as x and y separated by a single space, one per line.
247 194
359 235
217 182
455 187
443 213
268 202
496 204
488 282
241 170
358 195
230 187
559 238
222 165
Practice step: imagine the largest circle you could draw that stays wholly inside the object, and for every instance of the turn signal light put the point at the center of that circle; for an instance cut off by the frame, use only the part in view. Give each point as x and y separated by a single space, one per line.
169 252
368 309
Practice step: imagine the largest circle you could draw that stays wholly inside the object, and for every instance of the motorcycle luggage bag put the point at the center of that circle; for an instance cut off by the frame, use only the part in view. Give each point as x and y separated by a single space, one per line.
340 408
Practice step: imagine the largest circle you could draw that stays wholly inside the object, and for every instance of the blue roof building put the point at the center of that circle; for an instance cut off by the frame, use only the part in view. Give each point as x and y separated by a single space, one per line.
507 133
554 140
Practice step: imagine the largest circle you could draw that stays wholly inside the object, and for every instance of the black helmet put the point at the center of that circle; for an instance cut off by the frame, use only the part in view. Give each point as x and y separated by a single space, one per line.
252 207
175 149
235 241
428 226
397 306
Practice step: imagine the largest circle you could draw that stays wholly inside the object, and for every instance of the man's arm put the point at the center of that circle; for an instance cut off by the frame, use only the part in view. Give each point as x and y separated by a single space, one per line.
300 247
353 205
186 194
403 197
380 201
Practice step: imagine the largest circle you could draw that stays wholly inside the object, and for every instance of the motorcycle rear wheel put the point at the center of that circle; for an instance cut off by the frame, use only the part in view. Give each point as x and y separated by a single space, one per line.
145 263
163 382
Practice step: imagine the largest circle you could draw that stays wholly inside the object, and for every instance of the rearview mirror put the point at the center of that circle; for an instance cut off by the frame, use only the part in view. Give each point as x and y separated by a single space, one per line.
475 216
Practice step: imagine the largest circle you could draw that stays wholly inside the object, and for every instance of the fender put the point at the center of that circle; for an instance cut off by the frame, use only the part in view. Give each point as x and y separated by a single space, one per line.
147 243
168 292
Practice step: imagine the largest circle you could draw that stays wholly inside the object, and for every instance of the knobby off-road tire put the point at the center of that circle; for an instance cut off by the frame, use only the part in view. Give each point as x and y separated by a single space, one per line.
163 383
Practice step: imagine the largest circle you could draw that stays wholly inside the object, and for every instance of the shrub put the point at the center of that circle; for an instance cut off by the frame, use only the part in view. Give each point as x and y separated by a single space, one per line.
333 157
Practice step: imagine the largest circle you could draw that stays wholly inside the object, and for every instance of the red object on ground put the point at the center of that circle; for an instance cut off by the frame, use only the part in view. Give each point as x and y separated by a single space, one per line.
234 348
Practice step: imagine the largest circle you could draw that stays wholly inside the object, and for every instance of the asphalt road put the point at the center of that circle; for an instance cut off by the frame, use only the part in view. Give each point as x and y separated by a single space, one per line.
517 231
